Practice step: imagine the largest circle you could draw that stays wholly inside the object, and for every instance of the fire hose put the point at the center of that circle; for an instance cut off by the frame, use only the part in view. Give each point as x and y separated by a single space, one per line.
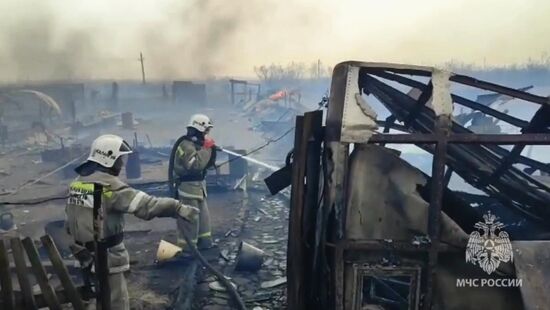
173 190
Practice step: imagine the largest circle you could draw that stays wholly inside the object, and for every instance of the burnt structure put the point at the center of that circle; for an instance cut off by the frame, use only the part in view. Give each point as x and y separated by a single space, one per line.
65 94
369 231
186 92
243 91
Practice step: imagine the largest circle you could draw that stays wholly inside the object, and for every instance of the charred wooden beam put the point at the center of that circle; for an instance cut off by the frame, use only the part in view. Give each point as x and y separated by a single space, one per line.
466 161
22 274
487 110
457 99
400 246
398 71
539 124
311 206
420 103
460 138
466 80
295 257
62 273
499 151
443 124
40 275
5 279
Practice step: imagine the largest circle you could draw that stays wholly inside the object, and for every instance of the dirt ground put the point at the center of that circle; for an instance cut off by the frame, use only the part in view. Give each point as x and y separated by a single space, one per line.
258 219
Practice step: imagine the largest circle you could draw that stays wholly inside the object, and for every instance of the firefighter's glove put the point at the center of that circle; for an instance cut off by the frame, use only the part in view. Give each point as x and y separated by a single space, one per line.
209 143
188 213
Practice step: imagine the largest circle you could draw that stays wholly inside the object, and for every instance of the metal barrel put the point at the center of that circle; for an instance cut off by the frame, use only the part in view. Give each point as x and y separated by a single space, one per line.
133 166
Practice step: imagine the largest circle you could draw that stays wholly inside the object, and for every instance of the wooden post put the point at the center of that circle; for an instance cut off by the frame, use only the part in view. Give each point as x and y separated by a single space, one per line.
5 279
311 205
232 92
294 253
40 275
103 300
141 59
22 272
61 270
297 252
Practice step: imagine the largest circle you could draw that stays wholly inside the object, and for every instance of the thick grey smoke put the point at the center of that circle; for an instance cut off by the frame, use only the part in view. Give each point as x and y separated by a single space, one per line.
196 38
32 49
102 39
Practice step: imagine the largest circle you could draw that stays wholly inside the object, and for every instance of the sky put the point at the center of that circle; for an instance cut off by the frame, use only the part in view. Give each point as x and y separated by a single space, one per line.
102 39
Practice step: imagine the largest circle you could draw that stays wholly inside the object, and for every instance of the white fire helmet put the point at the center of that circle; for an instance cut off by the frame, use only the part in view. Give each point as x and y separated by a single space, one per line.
200 122
106 149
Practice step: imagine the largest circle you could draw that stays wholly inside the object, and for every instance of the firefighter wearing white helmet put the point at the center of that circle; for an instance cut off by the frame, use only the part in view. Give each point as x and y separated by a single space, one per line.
103 166
194 155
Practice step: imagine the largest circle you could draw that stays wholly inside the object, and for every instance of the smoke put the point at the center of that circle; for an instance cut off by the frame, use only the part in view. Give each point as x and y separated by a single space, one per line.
102 39
59 40
32 49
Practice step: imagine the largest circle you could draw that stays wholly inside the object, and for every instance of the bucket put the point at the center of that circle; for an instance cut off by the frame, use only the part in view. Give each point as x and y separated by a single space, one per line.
6 221
167 250
249 257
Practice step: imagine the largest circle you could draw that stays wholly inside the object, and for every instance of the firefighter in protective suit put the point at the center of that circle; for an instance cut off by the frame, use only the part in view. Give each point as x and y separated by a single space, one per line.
103 166
194 155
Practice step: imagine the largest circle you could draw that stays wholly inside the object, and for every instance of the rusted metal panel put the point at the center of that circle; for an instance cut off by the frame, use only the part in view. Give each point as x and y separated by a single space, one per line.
532 263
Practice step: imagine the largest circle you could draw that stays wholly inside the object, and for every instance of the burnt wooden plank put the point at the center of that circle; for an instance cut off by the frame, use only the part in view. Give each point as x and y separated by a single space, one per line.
436 200
489 111
63 273
295 285
40 274
460 138
457 99
466 80
22 273
311 206
5 279
420 103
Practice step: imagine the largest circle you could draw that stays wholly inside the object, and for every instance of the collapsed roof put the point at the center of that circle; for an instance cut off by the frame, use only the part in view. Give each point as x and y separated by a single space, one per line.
406 92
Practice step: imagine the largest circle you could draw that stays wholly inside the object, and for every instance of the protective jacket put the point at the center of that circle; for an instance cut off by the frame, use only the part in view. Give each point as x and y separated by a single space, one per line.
190 164
117 199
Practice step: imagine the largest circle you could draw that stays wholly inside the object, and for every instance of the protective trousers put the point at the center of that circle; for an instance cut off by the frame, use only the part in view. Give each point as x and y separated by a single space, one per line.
200 232
119 293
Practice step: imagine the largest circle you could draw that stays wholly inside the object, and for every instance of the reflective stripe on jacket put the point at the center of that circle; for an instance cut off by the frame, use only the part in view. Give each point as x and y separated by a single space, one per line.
191 162
117 199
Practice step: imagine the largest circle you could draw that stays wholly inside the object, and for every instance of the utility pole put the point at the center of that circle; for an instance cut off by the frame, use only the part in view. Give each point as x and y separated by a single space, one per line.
142 68
318 68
